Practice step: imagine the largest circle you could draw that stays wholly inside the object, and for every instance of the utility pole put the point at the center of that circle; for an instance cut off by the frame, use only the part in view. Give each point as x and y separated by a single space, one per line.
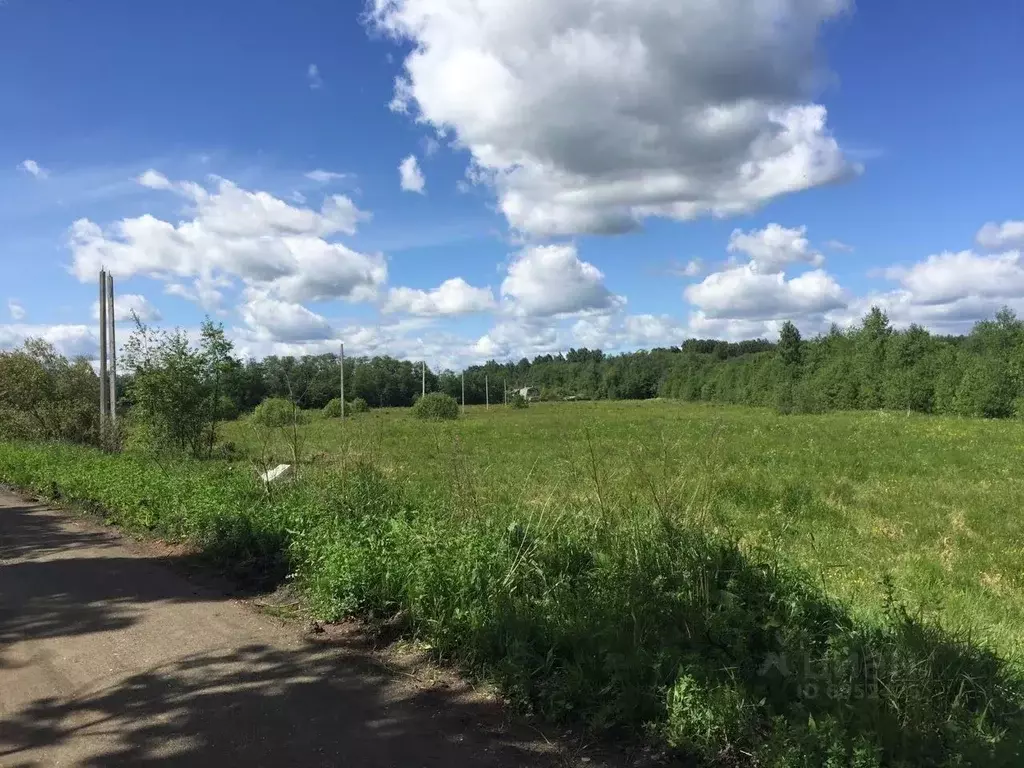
463 391
103 352
487 393
504 389
111 319
423 371
343 381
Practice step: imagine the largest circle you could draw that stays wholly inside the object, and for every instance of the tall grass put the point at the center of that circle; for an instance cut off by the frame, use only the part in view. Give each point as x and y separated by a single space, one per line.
615 610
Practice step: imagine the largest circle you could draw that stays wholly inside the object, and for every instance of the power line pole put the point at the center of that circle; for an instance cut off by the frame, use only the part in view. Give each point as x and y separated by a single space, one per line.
111 319
504 389
103 351
487 393
423 370
342 381
463 391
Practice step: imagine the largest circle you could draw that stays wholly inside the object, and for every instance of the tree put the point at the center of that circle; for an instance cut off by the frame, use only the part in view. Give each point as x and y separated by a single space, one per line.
45 396
175 389
789 349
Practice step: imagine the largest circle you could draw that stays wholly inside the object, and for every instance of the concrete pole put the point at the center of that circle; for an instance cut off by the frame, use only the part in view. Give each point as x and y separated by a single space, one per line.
343 381
113 350
103 351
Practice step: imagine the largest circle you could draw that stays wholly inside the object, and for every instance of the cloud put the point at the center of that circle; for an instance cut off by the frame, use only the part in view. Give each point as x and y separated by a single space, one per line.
993 236
745 293
127 303
773 248
516 339
589 122
205 291
233 233
154 180
839 245
411 175
452 297
69 340
16 309
947 277
321 176
33 168
313 77
551 280
627 332
273 320
693 268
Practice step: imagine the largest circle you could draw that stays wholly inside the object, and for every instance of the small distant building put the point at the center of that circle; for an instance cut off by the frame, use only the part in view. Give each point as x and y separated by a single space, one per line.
529 393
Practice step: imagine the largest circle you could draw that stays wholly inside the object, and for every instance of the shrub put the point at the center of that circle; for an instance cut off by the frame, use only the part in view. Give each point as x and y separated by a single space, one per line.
517 400
436 406
277 412
333 409
45 396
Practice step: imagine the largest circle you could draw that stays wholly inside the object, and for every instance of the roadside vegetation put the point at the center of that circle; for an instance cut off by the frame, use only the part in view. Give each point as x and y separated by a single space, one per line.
737 585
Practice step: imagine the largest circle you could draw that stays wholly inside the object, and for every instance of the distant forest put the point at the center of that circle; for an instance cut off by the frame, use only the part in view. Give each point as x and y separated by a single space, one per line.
869 366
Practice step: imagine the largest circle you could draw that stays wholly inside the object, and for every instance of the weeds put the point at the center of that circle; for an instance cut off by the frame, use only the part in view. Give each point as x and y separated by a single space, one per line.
610 605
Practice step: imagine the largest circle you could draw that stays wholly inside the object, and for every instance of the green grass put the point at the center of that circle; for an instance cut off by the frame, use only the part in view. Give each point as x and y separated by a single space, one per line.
932 503
751 589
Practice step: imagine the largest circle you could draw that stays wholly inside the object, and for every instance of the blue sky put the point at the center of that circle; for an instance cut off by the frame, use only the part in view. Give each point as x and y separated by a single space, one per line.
587 172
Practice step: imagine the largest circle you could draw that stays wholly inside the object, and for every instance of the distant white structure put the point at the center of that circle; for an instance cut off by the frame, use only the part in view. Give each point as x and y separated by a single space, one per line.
529 393
280 470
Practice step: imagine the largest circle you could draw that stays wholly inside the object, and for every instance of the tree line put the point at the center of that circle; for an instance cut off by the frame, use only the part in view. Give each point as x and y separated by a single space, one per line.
180 391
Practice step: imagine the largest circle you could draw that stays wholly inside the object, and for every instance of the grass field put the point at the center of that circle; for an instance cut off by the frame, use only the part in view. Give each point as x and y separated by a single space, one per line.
934 504
746 588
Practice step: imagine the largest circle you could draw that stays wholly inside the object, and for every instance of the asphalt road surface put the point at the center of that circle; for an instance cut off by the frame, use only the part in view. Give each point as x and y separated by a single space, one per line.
110 656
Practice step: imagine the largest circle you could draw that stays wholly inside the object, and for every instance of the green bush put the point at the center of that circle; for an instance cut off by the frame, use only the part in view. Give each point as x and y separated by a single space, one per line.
436 406
277 412
517 401
333 408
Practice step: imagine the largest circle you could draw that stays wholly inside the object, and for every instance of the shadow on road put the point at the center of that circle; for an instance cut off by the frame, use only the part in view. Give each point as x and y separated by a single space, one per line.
255 700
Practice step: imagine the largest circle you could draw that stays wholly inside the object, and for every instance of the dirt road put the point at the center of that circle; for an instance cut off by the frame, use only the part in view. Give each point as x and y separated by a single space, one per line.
110 656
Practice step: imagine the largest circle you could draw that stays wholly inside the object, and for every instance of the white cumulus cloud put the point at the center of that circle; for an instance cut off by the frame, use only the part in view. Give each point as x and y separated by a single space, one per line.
613 333
589 117
947 278
274 320
452 297
773 248
234 233
411 176
69 340
33 168
127 303
744 293
1009 234
551 280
